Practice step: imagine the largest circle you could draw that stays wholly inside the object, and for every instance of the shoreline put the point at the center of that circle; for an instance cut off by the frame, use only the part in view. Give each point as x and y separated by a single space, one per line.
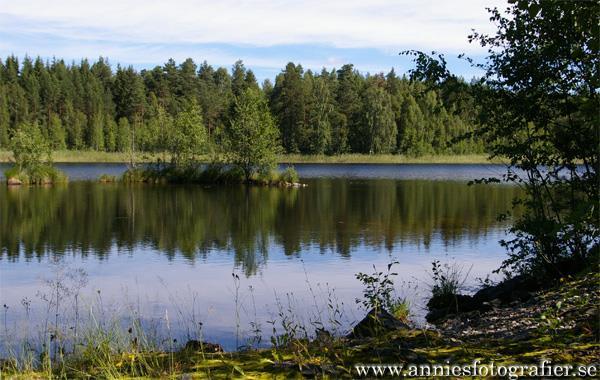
525 332
70 156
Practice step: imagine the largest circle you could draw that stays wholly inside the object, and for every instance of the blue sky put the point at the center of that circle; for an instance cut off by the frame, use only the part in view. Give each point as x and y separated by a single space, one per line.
264 34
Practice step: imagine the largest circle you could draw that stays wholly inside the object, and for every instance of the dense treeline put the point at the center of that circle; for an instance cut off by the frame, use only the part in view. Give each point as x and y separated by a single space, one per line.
90 106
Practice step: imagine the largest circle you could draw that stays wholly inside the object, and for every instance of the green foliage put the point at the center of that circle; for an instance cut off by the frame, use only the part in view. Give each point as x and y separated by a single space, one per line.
40 175
537 108
123 138
289 106
110 135
412 124
540 111
379 289
4 119
447 280
551 320
378 121
135 175
29 147
251 141
289 175
83 105
56 133
96 136
16 173
188 137
128 94
321 108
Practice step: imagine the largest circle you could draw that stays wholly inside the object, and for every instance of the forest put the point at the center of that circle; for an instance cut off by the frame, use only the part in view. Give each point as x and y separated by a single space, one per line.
90 106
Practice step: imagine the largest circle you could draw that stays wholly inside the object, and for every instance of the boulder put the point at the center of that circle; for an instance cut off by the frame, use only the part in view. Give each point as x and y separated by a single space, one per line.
196 345
12 181
516 289
440 307
376 322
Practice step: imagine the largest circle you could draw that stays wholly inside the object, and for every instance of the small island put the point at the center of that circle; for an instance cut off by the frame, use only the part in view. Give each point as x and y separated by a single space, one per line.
33 159
245 151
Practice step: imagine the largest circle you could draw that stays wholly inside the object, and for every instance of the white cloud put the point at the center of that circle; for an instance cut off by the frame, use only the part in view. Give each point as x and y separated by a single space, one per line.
382 24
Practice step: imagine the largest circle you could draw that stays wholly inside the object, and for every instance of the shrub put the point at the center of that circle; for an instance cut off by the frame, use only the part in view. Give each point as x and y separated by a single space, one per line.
447 280
233 175
29 147
289 175
379 289
39 175
12 172
212 173
32 154
268 177
133 175
107 178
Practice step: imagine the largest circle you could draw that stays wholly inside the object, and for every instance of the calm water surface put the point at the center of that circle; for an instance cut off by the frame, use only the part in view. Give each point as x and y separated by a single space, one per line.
169 252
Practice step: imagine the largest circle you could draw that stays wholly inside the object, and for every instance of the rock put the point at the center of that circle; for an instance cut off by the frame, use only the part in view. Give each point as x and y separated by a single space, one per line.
441 307
518 288
515 290
196 345
12 181
376 322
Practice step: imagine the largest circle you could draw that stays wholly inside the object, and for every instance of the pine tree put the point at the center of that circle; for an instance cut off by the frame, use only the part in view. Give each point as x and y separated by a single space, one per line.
187 81
238 78
31 86
349 105
129 94
324 113
289 106
214 96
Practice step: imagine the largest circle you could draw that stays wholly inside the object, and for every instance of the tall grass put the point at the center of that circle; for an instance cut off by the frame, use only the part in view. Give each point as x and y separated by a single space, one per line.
209 174
357 158
40 175
88 156
448 280
79 337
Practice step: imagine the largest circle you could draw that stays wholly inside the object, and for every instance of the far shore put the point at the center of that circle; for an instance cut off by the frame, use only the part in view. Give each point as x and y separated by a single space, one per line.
71 156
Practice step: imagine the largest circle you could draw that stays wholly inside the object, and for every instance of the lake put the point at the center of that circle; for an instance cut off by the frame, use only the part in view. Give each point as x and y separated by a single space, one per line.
226 263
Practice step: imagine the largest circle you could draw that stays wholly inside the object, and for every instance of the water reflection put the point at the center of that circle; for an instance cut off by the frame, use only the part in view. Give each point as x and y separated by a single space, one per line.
335 215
